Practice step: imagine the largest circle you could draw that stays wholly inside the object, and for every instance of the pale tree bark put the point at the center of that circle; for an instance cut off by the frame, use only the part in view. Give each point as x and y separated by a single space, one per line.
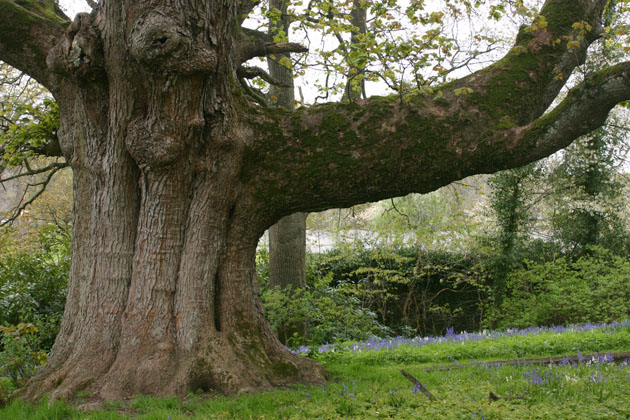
287 238
355 85
177 175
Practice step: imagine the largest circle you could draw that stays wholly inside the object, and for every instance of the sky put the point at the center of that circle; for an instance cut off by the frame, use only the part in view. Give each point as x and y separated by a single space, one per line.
72 7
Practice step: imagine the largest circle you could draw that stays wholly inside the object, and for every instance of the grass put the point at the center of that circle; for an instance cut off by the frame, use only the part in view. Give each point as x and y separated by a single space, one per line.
367 384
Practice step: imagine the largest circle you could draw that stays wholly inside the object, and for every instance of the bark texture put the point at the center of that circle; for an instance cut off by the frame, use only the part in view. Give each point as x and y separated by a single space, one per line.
176 175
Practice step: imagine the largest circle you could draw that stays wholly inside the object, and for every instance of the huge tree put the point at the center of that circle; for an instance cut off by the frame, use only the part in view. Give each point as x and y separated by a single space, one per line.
177 174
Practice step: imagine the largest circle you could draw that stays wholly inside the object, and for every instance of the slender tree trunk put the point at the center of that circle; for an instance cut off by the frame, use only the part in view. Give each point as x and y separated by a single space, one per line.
355 85
287 238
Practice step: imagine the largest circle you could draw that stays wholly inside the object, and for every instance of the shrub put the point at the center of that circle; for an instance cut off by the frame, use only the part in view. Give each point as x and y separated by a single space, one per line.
594 288
412 291
33 284
326 312
20 357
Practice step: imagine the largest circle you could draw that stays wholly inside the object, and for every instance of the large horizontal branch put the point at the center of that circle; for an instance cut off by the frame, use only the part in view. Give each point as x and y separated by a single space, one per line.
337 155
30 28
353 153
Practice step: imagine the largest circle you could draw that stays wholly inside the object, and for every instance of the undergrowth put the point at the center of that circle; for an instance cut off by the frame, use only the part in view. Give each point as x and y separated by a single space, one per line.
367 384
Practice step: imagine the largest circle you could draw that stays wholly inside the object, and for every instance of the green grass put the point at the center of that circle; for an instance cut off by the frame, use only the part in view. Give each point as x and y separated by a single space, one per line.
506 347
368 385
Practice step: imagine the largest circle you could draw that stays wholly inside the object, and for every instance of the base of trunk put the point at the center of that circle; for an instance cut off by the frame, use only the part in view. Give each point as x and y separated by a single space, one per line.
228 365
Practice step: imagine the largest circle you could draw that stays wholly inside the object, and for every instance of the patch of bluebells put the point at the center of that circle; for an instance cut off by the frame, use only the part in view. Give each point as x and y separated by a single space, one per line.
536 378
376 344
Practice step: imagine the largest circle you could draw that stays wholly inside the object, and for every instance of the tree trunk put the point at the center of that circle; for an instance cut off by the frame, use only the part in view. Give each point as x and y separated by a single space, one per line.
162 297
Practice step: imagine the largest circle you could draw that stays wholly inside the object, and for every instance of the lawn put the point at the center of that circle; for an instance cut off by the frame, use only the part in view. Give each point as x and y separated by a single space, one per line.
366 382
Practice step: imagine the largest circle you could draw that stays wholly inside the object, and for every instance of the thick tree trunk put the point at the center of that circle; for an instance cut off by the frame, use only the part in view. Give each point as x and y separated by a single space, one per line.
162 296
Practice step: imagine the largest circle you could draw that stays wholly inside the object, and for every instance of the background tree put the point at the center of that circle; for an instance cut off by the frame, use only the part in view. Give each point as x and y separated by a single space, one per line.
177 174
511 201
588 206
287 238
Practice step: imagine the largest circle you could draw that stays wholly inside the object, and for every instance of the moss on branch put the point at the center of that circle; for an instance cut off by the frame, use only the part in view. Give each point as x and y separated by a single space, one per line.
30 29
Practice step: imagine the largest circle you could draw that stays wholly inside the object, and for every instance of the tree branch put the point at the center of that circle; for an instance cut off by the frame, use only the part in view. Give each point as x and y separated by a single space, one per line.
259 48
338 155
585 108
29 31
30 172
52 170
251 72
245 7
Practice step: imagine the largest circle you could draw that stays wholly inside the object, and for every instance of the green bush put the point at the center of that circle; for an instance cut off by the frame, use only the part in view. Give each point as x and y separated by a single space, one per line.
33 284
412 291
356 291
594 288
21 357
326 312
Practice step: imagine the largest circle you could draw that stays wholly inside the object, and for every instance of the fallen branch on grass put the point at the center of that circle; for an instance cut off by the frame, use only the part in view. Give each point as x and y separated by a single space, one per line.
417 384
494 397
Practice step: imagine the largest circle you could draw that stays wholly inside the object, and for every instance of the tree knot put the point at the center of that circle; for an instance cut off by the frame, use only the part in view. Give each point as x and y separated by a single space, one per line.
161 43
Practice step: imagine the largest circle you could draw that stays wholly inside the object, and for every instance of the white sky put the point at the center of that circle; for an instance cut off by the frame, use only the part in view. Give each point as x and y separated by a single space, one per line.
72 7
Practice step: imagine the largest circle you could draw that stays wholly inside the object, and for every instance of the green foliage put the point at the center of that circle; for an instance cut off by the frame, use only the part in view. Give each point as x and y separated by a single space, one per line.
437 220
328 312
511 202
36 125
588 207
20 357
33 284
414 291
593 288
29 118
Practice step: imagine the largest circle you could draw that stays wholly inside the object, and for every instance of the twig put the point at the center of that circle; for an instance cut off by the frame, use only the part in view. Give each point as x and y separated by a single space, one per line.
20 208
494 397
30 172
417 384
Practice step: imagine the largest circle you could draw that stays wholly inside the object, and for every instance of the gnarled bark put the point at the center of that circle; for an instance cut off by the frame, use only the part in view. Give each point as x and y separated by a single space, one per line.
177 176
